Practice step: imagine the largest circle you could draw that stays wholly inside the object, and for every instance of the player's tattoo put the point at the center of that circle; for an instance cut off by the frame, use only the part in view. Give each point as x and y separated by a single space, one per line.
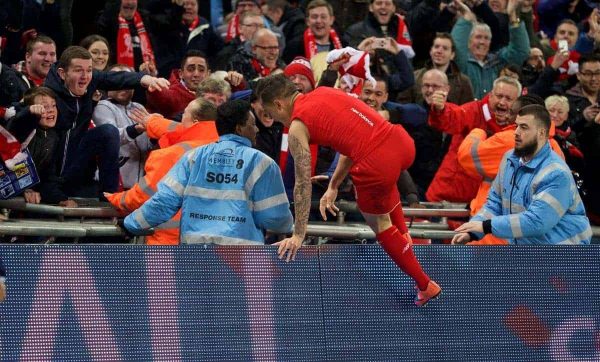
303 187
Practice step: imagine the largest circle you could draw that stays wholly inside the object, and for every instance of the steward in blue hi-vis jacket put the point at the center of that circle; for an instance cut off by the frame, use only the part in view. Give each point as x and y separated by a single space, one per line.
534 199
228 192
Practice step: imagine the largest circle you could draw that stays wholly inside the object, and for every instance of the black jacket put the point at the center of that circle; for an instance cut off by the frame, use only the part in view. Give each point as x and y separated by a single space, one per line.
12 86
395 68
292 25
42 149
75 113
268 139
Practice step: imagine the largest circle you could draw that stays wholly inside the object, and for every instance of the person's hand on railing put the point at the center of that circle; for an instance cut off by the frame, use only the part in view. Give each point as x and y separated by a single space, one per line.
461 238
68 203
32 197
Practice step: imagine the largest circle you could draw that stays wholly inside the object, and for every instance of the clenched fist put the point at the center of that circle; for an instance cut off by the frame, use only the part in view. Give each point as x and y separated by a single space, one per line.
438 100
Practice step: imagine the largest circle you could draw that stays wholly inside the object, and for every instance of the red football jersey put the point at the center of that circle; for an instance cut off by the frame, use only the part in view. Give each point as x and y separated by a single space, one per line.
340 121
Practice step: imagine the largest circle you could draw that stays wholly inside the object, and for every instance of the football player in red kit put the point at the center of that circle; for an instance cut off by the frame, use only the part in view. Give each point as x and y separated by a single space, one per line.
371 149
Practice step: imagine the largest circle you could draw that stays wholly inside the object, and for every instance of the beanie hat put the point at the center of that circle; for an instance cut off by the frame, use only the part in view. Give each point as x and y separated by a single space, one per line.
300 65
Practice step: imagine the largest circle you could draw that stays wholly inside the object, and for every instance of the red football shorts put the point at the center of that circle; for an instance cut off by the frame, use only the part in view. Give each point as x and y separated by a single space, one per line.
375 177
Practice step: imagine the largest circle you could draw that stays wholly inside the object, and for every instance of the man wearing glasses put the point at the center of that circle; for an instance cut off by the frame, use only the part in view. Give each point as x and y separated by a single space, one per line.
264 58
583 97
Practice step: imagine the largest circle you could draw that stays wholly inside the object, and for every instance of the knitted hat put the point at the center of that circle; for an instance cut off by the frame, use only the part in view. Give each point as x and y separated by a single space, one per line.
300 65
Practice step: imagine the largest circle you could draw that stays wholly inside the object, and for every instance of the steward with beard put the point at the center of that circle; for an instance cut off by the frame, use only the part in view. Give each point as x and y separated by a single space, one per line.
492 114
533 200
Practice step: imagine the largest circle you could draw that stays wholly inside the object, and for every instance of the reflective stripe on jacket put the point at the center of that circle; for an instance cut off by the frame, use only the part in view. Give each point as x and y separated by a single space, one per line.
228 192
480 156
157 166
536 203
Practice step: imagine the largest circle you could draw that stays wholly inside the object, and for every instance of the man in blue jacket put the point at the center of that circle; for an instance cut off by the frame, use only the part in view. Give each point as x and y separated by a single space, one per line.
533 200
228 192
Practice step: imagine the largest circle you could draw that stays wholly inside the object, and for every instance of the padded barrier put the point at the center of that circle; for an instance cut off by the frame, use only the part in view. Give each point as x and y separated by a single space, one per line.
335 302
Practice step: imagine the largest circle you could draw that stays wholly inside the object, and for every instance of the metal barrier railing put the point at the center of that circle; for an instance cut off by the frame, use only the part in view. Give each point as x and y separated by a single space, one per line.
96 219
363 231
432 210
105 211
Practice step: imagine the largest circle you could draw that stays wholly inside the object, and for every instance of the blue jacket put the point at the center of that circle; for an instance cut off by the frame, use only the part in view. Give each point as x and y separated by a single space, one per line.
228 192
536 202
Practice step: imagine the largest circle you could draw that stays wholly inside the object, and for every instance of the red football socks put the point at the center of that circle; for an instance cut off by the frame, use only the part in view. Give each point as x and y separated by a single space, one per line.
397 217
397 247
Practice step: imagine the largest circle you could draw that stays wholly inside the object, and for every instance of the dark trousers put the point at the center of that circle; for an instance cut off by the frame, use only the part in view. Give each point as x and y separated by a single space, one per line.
98 146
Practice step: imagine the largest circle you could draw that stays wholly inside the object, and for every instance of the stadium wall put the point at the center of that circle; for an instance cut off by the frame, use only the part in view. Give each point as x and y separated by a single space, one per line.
335 302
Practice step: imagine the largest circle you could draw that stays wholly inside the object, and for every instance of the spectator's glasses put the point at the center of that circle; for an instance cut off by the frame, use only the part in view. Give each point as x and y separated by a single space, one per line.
271 49
590 74
536 57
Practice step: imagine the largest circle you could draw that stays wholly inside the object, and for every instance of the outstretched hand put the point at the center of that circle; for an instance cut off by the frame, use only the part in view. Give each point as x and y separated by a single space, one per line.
327 203
154 84
290 246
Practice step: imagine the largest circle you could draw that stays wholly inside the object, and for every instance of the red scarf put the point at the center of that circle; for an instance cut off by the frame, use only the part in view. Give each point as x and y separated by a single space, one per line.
124 45
403 37
194 23
564 68
233 30
310 44
260 69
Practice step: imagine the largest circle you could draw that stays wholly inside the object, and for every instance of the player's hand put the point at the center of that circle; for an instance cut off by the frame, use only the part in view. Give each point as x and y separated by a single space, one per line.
327 203
2 291
32 197
461 238
408 238
289 246
438 100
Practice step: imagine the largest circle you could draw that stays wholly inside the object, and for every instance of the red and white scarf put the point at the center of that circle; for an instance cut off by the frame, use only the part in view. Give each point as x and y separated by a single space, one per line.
124 44
310 44
403 38
358 65
233 30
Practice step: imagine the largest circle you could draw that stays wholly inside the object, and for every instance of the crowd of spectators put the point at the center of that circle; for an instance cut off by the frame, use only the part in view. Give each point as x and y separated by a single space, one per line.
113 113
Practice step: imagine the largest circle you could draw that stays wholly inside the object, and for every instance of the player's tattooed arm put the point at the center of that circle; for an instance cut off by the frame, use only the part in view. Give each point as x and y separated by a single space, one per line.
298 143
